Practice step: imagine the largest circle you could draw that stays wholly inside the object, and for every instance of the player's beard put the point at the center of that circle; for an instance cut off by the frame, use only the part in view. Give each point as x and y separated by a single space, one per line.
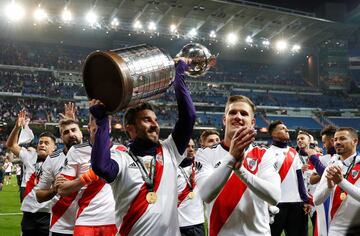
72 142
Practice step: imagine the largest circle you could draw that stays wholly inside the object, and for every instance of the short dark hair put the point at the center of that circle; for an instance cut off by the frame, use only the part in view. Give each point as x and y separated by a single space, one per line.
328 131
273 125
130 114
207 133
49 135
351 131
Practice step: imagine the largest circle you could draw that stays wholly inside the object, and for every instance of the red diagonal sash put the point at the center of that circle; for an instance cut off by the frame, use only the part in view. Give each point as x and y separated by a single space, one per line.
337 201
30 184
186 190
89 193
231 193
62 205
286 165
183 195
139 204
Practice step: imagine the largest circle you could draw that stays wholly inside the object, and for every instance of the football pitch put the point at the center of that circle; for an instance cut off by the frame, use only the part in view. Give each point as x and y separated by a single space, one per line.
10 214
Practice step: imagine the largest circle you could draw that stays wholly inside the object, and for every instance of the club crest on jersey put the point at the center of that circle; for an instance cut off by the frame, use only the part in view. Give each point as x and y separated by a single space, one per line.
251 163
159 158
355 173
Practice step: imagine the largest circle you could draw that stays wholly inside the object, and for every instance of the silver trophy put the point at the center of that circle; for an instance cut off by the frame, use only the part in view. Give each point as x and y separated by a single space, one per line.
124 77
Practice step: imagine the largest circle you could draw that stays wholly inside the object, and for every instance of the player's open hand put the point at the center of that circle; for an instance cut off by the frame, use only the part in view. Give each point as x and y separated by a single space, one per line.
242 138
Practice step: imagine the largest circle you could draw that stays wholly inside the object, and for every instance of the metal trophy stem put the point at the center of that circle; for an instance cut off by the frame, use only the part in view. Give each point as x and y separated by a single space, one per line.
124 77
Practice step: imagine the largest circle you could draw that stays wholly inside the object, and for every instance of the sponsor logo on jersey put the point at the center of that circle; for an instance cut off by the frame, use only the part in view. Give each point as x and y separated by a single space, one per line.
217 164
133 165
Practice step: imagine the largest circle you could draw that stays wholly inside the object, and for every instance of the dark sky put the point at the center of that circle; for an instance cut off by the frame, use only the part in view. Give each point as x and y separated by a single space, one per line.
306 5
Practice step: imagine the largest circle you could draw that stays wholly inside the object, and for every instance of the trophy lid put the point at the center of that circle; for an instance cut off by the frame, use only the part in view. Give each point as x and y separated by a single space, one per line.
201 59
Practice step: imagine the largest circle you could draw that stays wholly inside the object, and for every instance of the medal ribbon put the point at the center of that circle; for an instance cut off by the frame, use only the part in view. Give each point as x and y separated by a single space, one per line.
189 179
147 177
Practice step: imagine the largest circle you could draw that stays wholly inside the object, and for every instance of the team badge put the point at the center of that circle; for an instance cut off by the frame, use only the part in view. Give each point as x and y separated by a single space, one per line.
252 164
354 173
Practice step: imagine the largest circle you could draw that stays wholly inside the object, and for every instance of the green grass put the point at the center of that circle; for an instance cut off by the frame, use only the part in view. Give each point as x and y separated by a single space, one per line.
10 203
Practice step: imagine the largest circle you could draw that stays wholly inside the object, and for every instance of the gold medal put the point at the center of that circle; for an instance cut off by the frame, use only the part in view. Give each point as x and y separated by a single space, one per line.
191 195
342 196
151 197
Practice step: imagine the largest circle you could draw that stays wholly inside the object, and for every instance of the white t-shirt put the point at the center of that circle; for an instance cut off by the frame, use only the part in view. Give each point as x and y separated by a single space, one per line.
96 204
8 167
64 209
160 218
190 210
32 173
340 218
249 215
289 185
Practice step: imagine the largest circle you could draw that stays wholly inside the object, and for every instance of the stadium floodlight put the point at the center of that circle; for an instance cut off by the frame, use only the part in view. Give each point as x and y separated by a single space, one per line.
115 22
173 28
249 39
295 48
152 26
14 12
193 32
40 14
91 17
266 42
231 38
137 25
212 34
66 15
281 45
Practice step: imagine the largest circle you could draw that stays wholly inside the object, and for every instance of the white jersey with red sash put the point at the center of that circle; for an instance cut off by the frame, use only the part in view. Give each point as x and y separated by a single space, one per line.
343 206
64 209
96 205
190 205
134 215
31 177
287 162
237 210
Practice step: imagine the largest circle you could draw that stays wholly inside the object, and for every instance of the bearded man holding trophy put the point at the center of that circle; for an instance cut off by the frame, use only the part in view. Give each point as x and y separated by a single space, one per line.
143 176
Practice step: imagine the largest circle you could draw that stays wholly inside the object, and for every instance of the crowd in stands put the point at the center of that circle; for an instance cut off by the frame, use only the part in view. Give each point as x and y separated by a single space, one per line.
42 55
41 91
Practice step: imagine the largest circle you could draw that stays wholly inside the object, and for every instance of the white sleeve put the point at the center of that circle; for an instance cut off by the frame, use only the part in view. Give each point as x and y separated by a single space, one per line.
209 179
266 185
171 146
72 168
25 155
47 178
322 191
120 158
351 189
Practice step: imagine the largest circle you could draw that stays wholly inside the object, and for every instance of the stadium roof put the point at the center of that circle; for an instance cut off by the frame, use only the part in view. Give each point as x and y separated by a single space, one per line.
260 21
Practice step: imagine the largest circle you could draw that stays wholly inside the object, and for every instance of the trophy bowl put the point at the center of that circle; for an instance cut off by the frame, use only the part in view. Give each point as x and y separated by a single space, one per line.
124 77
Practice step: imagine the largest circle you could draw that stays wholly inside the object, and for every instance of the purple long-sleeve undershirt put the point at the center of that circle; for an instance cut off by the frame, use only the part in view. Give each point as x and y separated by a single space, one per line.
184 126
108 169
101 162
319 167
301 186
